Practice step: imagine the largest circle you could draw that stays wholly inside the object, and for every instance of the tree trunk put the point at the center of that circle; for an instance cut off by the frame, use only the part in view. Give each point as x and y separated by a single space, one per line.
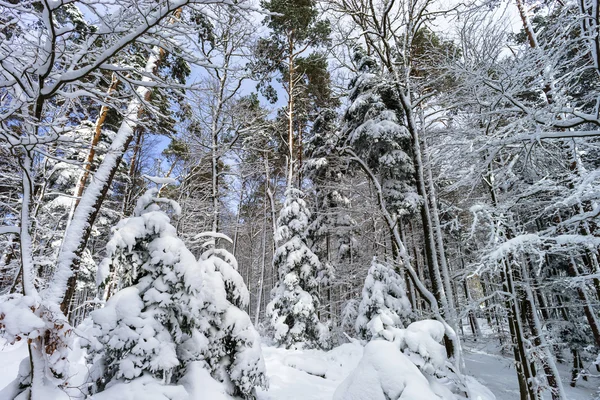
63 286
89 161
439 236
290 111
539 340
263 261
525 369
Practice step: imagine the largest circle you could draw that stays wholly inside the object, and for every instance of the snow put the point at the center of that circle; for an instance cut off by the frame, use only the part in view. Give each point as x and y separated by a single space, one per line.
216 235
292 376
384 373
10 359
310 365
288 380
143 388
160 180
17 319
423 338
200 385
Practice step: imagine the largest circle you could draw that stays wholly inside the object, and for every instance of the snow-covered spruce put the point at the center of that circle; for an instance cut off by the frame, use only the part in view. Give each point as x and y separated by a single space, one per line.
176 311
293 308
374 129
234 355
384 304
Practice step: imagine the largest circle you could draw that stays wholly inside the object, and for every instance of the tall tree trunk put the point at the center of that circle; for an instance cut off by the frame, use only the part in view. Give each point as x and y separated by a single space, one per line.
63 286
539 340
438 236
262 262
525 368
130 188
89 161
290 110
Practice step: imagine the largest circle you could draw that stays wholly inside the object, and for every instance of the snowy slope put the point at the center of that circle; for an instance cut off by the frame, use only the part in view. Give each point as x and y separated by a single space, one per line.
315 375
308 374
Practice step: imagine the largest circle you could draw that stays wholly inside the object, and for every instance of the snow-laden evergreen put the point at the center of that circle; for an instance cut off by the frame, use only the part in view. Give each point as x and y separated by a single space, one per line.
395 344
233 353
293 308
384 304
408 363
332 230
171 310
375 131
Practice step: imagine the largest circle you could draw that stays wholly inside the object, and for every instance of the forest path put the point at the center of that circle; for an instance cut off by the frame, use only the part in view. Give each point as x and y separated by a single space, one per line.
484 361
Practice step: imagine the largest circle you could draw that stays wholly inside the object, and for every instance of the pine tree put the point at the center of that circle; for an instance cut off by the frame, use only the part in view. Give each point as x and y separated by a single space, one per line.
295 28
384 303
293 309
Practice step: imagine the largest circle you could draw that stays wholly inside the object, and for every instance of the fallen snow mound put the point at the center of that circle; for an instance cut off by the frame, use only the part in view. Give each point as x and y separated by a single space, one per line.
385 373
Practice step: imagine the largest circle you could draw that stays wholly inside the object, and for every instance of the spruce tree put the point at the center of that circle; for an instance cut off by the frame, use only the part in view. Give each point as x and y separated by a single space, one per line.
384 304
293 309
157 303
170 310
233 353
375 130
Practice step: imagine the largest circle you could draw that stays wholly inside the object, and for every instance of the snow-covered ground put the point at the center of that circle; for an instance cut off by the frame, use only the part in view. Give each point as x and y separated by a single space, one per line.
10 358
289 381
315 375
498 373
308 374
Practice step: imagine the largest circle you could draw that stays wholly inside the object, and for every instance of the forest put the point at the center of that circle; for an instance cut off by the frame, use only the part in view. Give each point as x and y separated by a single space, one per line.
299 199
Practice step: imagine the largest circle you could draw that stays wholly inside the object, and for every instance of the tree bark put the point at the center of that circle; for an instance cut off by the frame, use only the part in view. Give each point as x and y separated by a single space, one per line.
63 286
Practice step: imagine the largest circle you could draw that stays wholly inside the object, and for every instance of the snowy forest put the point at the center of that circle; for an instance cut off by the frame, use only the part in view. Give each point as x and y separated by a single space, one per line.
299 199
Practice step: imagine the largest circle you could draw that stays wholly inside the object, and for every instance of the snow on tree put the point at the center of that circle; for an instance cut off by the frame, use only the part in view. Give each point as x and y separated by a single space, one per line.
170 310
26 317
384 372
233 354
375 130
57 200
158 305
293 308
410 364
384 304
